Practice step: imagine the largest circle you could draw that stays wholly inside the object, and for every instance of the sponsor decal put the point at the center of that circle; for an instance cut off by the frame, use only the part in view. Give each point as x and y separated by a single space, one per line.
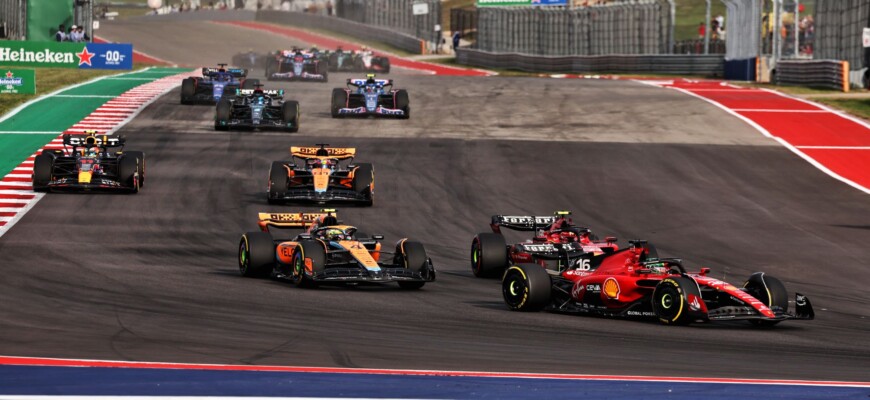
694 302
611 288
18 81
539 248
800 300
527 220
387 111
583 264
67 55
641 313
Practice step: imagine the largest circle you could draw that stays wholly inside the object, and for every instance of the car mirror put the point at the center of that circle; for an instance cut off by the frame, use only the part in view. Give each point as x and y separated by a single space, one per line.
304 236
378 237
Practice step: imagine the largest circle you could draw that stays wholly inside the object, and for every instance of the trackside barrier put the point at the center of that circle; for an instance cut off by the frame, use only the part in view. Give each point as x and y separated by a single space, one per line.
829 74
706 65
346 27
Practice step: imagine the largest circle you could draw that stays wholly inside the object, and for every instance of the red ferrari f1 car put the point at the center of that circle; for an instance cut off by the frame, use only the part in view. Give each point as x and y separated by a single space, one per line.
558 244
632 283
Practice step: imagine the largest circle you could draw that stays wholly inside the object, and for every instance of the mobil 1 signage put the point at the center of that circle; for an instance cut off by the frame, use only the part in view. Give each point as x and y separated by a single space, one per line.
17 81
66 55
549 2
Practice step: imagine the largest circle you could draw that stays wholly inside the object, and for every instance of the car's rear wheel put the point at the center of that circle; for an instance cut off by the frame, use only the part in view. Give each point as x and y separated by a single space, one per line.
488 255
256 254
128 172
339 101
526 287
364 181
672 298
308 249
412 255
277 180
403 102
188 90
769 291
42 168
290 112
385 64
141 157
222 115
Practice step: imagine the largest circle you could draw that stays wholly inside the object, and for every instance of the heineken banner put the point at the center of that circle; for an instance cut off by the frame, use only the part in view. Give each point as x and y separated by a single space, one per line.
66 55
17 81
503 3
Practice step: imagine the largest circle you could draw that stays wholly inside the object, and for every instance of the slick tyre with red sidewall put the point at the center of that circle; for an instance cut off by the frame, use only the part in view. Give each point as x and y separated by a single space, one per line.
526 287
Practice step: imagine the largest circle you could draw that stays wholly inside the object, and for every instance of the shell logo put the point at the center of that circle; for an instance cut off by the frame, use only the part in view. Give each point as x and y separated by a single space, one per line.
610 288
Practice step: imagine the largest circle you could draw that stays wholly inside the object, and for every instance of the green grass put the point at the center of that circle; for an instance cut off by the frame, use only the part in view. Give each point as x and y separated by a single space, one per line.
857 107
793 90
51 79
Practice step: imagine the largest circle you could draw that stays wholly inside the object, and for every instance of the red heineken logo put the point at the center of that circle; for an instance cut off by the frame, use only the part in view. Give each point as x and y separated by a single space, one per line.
9 74
85 56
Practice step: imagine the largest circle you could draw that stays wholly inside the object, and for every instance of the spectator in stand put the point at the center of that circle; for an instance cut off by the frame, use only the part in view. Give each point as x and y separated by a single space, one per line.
83 36
74 34
329 8
702 30
60 36
69 33
456 37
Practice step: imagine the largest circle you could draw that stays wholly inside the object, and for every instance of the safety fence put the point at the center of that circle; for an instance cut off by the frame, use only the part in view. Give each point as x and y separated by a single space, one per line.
696 46
830 74
465 22
397 15
706 65
399 40
637 27
13 19
838 28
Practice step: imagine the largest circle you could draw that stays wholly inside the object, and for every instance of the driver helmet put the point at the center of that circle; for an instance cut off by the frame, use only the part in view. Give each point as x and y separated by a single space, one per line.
333 234
92 152
370 79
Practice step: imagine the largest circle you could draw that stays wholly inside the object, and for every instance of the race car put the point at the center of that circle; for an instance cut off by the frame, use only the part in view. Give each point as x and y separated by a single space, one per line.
86 164
297 66
631 283
214 82
558 245
257 109
370 96
251 60
329 252
352 61
323 174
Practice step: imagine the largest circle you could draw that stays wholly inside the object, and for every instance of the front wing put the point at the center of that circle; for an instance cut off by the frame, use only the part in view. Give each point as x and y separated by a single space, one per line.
309 194
291 77
378 112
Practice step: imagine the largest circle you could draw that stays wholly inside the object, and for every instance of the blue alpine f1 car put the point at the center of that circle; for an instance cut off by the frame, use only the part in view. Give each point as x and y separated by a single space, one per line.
214 82
296 65
370 96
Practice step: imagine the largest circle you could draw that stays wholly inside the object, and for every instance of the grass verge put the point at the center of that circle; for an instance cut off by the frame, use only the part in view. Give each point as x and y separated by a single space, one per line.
857 107
51 79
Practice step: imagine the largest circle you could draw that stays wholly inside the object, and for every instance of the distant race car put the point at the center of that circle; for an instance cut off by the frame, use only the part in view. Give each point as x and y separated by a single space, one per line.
257 109
329 252
86 164
353 61
252 60
213 84
558 245
632 284
370 96
324 174
297 66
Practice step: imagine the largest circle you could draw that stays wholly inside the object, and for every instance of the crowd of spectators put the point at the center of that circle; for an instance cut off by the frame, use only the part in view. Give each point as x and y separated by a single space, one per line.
71 34
324 7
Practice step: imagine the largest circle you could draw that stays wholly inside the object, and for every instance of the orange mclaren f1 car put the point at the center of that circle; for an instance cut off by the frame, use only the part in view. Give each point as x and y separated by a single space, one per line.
321 174
329 252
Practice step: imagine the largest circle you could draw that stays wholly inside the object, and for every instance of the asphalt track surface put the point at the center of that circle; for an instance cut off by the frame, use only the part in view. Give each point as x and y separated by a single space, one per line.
153 276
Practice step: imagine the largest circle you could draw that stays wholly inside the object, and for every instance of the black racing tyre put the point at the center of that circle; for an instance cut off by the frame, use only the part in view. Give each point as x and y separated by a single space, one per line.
412 255
222 115
43 165
364 182
271 68
385 64
671 300
333 62
403 102
128 172
769 291
256 254
290 112
526 287
358 65
308 249
250 83
488 255
188 90
339 101
322 69
141 157
277 179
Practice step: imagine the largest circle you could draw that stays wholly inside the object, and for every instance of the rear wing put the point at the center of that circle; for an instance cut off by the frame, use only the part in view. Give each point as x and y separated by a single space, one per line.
521 222
236 72
270 92
92 140
362 82
338 153
289 220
